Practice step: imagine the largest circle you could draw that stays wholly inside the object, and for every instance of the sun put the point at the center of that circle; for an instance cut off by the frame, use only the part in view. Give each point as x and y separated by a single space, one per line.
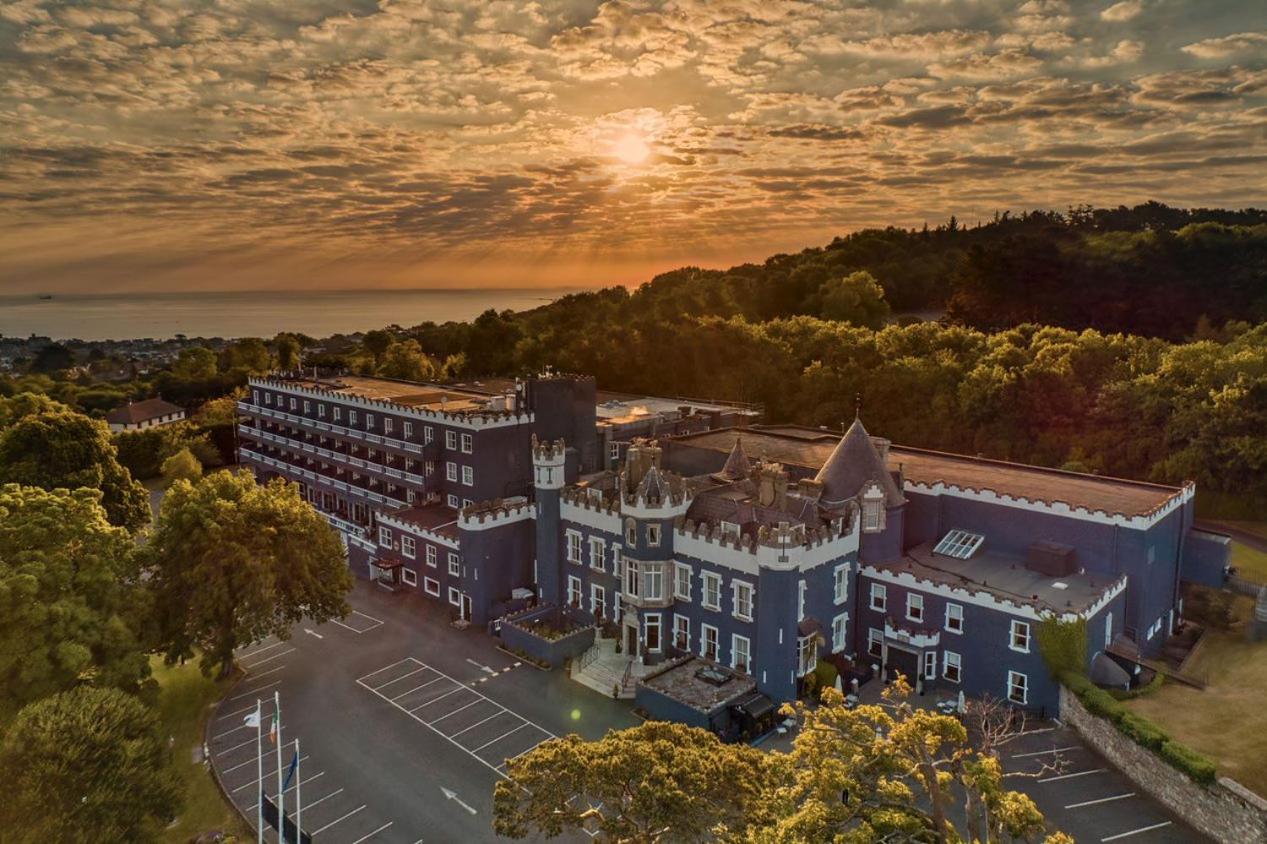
631 148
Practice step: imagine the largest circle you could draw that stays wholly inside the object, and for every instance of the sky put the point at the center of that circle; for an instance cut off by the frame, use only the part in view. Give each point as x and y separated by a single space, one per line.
183 145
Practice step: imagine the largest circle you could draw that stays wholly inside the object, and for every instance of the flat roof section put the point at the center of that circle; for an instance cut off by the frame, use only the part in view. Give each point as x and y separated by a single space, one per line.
1003 576
681 684
810 447
405 393
626 406
437 518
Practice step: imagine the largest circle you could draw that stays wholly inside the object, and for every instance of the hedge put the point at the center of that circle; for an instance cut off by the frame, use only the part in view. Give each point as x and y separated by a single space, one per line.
1138 728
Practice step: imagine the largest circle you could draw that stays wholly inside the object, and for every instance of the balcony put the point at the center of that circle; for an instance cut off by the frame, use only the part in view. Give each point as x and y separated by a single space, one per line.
301 447
327 427
320 478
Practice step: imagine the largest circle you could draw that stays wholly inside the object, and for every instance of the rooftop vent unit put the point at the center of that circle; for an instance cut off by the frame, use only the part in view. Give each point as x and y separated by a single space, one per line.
1050 558
714 675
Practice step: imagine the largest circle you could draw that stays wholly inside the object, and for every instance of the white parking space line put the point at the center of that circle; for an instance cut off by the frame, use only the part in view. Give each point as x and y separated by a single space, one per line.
257 651
323 799
1045 752
241 711
262 674
1136 831
1071 776
256 780
229 750
486 720
372 834
401 677
416 688
257 688
456 711
499 738
1101 800
277 655
374 625
338 820
457 687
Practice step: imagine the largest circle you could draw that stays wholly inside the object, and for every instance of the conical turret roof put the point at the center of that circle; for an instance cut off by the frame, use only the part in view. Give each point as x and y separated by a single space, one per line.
852 464
737 465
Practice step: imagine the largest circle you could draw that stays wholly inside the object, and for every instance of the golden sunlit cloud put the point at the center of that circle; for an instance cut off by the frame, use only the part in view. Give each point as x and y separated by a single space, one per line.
631 148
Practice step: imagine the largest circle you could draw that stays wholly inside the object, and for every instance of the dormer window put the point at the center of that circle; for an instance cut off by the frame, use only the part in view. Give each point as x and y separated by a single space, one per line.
873 509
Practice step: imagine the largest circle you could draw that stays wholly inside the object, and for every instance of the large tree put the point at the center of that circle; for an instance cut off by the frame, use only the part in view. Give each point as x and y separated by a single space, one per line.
86 765
69 604
231 561
655 782
55 448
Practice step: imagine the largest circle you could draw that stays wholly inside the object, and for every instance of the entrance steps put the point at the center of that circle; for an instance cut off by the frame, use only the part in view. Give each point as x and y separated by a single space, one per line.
602 669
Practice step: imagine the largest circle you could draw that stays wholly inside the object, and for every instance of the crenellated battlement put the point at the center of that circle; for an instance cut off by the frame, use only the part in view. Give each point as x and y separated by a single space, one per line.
778 536
486 514
548 453
588 498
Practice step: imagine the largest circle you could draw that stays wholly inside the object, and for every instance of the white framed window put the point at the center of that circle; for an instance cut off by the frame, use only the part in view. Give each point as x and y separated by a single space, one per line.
653 534
321 412
914 607
631 532
453 501
681 632
710 592
875 642
954 618
468 443
429 467
951 665
573 547
633 578
653 581
410 496
409 429
840 584
468 476
384 537
455 597
930 665
450 471
307 407
351 417
338 413
466 502
708 641
428 434
574 591
455 564
1108 630
1017 687
369 421
388 424
598 600
1018 639
651 636
800 600
409 576
431 586
879 597
806 654
873 510
450 439
618 563
839 632
741 597
431 556
598 553
681 581
409 547
741 654
613 453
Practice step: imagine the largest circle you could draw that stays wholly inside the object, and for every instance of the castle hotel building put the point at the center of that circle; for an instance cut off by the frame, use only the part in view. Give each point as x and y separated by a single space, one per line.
752 549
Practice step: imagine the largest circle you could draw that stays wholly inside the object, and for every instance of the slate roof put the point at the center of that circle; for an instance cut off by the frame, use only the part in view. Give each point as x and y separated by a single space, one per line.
737 465
737 503
853 463
136 412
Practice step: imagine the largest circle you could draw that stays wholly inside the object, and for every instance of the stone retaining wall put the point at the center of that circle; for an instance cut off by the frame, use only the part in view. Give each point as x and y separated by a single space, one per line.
1225 811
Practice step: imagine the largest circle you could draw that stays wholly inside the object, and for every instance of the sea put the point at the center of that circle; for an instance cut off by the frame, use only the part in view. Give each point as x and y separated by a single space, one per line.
129 316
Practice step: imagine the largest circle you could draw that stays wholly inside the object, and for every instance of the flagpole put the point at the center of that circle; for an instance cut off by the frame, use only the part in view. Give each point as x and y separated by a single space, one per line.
281 798
299 806
259 767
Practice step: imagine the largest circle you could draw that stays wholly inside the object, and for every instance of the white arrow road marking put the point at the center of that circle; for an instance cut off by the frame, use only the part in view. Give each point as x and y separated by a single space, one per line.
481 667
453 795
312 632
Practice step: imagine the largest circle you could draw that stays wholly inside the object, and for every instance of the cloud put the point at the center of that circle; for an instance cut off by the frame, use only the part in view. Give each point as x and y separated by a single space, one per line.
1228 45
1124 11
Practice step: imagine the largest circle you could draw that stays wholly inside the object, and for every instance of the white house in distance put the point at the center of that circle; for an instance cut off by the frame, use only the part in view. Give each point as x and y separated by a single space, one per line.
139 415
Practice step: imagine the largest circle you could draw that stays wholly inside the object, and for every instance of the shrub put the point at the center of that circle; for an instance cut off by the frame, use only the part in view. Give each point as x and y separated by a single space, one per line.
1189 761
826 673
1142 731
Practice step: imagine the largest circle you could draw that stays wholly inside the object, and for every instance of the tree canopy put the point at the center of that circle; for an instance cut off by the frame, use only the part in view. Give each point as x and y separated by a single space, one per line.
84 766
70 609
231 561
182 466
56 447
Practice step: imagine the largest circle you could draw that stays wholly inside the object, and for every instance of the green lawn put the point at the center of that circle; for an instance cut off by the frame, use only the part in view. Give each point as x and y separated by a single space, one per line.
184 704
1250 563
1227 720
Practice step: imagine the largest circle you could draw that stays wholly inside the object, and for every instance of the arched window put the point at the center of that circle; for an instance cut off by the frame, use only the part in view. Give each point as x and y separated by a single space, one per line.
873 509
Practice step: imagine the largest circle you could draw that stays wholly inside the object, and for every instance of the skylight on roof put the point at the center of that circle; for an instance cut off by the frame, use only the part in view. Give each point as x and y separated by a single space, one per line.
959 544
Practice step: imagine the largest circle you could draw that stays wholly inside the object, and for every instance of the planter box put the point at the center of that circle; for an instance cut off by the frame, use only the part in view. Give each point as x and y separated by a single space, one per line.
524 632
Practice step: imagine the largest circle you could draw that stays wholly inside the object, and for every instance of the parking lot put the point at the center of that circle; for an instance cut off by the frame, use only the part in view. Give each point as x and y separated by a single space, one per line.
1084 796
